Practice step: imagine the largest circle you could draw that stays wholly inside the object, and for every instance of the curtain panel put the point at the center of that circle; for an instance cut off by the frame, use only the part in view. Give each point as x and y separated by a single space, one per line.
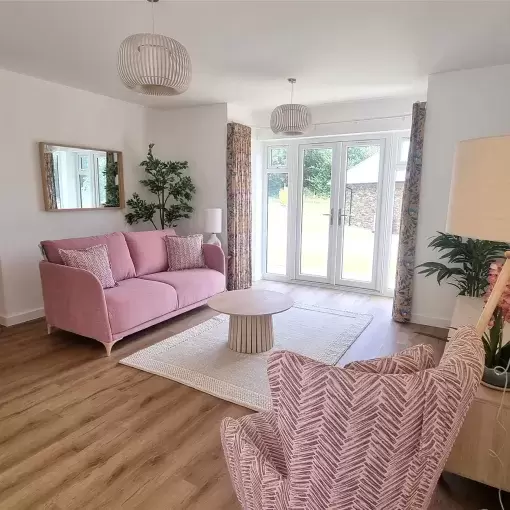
51 184
239 225
403 298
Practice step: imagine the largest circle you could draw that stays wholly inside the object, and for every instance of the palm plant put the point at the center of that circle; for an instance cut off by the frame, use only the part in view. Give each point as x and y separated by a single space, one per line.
468 262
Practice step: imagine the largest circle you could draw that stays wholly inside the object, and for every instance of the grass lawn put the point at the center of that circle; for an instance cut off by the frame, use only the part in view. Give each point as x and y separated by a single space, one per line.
358 245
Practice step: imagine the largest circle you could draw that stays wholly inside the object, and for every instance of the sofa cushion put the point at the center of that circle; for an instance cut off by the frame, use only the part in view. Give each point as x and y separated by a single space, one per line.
148 250
192 285
136 301
120 260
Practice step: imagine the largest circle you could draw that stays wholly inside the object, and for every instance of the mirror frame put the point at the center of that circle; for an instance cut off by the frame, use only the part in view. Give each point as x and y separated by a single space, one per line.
46 197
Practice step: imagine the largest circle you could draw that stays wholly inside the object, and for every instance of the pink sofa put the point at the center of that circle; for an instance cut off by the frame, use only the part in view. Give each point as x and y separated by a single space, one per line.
146 292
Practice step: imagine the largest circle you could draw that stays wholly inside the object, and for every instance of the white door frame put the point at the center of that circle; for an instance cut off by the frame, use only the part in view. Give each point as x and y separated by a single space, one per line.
374 284
390 143
335 171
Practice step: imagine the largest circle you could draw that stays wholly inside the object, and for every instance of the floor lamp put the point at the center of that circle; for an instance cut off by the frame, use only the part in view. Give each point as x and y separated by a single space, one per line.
480 203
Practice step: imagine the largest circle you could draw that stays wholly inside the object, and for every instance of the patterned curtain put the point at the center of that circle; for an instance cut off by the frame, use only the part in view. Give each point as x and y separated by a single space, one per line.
50 180
239 206
409 223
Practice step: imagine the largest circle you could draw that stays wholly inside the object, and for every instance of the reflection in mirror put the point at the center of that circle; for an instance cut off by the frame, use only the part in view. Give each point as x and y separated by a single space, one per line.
79 178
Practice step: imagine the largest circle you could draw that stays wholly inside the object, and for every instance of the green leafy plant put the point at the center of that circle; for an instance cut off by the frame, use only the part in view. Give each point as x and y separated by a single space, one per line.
468 262
167 181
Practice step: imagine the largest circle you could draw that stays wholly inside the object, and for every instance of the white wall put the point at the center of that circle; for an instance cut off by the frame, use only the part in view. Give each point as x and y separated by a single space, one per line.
460 105
197 135
31 111
369 116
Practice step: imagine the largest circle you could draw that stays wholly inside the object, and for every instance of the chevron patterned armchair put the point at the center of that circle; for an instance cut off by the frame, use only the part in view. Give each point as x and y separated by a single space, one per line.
374 435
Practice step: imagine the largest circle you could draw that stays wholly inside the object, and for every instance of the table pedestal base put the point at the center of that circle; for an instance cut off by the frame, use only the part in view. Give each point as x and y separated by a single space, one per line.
250 334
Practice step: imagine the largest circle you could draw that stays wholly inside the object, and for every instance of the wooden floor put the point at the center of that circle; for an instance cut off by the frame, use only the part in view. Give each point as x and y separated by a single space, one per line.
80 431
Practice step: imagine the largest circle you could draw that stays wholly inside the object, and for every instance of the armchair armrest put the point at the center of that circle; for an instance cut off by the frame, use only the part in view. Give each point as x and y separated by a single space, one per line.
214 257
74 300
256 480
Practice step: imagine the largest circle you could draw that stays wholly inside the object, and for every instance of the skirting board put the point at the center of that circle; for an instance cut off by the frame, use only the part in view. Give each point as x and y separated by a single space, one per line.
425 320
12 320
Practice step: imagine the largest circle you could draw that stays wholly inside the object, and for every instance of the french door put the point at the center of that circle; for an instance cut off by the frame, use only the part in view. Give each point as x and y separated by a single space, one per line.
331 209
338 212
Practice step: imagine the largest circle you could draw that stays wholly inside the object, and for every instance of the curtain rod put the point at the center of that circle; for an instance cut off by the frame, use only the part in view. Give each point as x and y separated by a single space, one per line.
355 121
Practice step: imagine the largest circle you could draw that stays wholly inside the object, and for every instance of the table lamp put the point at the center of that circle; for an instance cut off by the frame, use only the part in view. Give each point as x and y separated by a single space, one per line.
480 202
212 225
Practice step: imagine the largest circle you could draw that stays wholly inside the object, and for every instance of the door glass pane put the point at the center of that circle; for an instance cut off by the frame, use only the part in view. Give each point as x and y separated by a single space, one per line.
360 210
315 220
395 225
277 214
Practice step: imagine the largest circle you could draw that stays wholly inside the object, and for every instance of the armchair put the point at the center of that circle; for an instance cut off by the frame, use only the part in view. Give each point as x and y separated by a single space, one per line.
353 438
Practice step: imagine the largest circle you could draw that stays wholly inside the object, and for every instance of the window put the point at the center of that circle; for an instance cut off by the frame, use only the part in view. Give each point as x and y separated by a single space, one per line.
101 167
277 217
403 150
277 157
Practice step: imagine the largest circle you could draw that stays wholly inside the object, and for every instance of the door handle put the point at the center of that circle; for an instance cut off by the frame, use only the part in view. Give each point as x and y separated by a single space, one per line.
330 214
340 216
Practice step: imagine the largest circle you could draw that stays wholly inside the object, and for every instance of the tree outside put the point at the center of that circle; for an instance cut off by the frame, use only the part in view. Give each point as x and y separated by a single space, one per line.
316 168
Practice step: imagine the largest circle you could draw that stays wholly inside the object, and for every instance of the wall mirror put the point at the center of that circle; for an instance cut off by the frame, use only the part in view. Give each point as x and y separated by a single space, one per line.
81 177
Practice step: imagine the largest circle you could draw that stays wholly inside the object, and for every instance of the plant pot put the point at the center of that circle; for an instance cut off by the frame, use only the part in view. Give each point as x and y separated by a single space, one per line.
495 380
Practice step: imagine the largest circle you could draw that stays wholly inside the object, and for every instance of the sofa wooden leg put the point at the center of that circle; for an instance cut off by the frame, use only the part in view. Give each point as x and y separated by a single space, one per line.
49 328
108 348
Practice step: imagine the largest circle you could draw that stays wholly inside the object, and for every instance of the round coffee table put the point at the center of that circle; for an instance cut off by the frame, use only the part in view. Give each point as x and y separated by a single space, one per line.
251 317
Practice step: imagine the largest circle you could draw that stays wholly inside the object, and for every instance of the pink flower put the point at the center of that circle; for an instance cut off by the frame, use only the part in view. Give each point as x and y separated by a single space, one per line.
504 303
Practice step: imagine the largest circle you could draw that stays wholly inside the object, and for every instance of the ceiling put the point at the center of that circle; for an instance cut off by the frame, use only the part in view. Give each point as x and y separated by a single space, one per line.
243 51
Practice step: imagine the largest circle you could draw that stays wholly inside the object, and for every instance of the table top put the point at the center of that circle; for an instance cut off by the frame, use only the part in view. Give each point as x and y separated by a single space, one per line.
250 302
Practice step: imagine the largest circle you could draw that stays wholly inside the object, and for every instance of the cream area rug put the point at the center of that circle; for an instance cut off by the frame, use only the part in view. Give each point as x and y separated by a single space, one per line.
199 357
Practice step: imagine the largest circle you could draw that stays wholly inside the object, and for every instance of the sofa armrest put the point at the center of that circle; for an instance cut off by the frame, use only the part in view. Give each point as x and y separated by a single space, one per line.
214 257
74 300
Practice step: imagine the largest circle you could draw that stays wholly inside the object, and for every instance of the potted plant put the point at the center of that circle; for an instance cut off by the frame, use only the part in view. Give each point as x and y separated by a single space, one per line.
167 181
497 354
468 262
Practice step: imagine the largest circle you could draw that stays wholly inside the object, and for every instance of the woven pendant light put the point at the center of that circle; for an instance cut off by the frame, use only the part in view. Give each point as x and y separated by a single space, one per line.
291 119
154 64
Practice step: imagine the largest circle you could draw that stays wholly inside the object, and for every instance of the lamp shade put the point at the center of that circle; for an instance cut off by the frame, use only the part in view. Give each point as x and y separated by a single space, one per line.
480 190
212 223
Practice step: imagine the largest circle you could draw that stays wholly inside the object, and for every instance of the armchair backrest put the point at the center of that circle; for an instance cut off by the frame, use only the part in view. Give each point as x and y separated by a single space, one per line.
382 439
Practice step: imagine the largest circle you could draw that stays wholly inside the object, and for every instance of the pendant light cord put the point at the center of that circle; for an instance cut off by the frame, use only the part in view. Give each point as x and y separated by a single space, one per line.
292 92
152 11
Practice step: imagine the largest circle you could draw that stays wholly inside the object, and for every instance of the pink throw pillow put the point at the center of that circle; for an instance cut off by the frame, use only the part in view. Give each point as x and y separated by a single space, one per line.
94 259
184 252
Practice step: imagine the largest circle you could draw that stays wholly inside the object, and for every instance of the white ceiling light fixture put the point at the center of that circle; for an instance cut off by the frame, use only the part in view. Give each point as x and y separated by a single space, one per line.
291 119
154 64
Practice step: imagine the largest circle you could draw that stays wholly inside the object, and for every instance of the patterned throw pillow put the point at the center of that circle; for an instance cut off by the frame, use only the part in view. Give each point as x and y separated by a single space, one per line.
184 252
94 259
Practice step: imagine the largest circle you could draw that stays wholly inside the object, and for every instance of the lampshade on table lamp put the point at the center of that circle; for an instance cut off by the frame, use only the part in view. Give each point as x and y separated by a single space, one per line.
212 225
480 202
